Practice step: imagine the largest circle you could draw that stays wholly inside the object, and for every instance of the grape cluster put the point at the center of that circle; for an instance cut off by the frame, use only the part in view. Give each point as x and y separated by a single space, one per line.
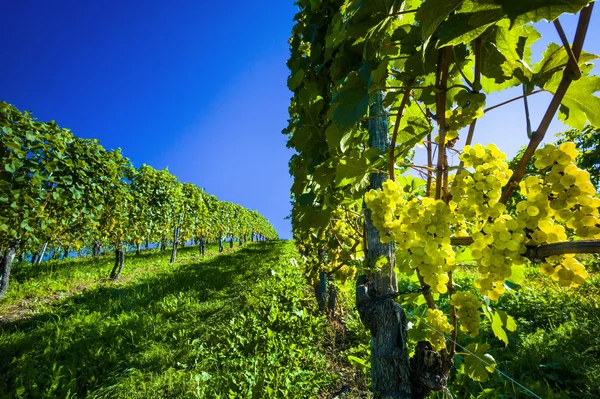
565 269
559 201
497 248
476 192
345 273
537 215
421 226
569 189
386 206
438 321
470 107
467 306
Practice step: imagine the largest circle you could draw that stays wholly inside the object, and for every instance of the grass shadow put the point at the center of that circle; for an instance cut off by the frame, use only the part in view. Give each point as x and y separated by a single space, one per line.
91 340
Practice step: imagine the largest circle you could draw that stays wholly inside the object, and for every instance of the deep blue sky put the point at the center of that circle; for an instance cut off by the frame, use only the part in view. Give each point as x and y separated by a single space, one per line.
197 86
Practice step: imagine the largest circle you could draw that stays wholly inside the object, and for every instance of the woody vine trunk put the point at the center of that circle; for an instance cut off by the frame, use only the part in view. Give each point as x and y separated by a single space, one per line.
378 311
5 266
119 263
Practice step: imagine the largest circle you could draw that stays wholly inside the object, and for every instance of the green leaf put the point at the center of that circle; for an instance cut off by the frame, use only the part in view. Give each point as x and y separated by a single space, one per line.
524 11
352 104
295 80
497 328
554 60
517 274
350 168
359 363
479 364
515 45
499 321
579 105
464 256
465 27
431 14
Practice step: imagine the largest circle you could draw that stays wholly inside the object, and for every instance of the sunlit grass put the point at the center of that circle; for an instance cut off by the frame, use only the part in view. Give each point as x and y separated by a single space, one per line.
235 324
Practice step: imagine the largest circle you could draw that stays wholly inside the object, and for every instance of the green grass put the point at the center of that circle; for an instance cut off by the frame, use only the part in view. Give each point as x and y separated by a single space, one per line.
62 276
241 324
233 325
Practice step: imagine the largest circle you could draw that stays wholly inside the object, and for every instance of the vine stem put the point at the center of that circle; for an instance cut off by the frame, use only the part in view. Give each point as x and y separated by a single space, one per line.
426 292
476 84
440 99
526 105
443 67
452 350
572 60
511 100
469 83
403 12
429 164
567 78
395 134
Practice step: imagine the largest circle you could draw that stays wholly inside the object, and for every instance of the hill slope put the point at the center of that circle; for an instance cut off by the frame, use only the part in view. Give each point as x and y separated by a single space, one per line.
238 325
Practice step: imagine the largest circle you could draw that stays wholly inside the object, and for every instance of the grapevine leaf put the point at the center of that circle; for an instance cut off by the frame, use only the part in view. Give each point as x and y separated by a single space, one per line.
352 104
554 60
515 45
465 27
465 256
508 321
499 321
497 327
517 274
296 79
431 14
579 105
536 10
474 366
350 168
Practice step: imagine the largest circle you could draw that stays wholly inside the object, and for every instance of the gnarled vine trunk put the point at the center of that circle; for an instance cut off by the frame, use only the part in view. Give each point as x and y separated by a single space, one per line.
119 263
175 244
6 264
385 318
202 246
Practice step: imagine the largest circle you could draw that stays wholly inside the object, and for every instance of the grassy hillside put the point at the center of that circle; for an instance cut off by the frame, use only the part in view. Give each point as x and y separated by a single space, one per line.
243 325
236 324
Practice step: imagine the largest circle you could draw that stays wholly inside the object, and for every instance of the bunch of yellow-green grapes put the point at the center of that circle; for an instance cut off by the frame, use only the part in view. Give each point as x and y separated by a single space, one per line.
565 269
470 107
341 229
421 226
560 199
467 306
569 189
496 248
438 323
384 204
476 192
345 273
424 230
